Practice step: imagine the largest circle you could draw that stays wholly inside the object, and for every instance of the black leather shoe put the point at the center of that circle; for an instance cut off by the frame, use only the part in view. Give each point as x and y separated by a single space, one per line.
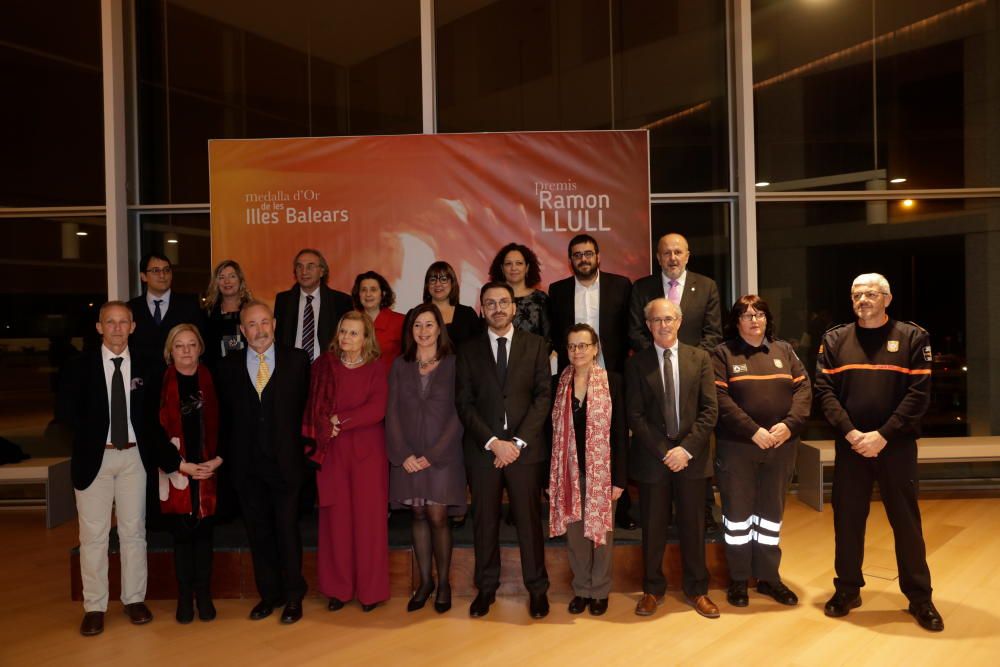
442 601
93 623
185 608
369 607
138 613
598 606
206 608
779 591
335 604
481 605
419 599
927 616
263 609
737 594
539 605
292 612
841 604
578 604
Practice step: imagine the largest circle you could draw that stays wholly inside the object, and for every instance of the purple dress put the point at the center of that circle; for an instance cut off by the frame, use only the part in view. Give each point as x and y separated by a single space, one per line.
421 420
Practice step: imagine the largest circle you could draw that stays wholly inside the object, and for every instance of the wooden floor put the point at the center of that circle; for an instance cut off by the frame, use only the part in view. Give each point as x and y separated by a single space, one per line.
38 622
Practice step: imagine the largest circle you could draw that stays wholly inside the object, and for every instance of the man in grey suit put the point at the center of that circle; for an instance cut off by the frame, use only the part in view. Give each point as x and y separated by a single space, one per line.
672 408
502 395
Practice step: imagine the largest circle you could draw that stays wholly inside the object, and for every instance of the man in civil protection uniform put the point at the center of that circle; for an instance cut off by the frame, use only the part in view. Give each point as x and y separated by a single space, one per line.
873 381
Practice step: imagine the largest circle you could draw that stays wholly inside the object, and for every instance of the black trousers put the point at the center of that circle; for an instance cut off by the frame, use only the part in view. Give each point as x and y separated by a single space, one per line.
895 470
523 491
270 509
192 553
654 509
754 483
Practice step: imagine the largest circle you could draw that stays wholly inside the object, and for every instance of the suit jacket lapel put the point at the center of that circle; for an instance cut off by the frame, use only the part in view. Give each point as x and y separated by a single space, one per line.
690 283
327 313
516 357
654 377
688 381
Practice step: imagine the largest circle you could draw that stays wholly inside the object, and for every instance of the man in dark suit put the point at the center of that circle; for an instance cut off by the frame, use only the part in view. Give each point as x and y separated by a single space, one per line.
159 309
698 298
117 446
263 393
502 395
600 299
308 314
672 408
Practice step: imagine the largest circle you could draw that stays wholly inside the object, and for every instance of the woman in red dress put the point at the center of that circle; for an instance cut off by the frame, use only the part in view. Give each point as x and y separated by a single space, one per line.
345 416
374 297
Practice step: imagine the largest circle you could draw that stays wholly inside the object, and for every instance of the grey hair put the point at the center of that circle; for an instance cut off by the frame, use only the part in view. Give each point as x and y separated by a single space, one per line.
662 300
872 279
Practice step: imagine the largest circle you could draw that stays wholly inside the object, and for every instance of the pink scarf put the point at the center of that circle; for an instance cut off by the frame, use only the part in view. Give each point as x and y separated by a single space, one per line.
564 479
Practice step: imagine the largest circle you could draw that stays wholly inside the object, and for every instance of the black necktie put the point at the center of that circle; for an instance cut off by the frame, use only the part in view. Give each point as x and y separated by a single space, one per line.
157 314
669 403
119 407
502 360
308 327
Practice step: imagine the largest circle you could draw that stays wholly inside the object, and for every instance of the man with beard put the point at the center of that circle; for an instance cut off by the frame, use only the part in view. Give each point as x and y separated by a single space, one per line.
502 395
600 299
873 381
263 395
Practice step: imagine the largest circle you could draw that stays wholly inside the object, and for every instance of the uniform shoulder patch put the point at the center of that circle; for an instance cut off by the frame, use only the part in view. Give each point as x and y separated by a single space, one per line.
928 355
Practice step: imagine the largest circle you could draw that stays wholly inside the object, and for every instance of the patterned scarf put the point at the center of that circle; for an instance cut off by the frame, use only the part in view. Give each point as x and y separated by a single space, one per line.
564 479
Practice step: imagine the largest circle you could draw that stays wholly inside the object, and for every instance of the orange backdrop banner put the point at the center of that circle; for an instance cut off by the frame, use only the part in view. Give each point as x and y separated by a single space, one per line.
394 204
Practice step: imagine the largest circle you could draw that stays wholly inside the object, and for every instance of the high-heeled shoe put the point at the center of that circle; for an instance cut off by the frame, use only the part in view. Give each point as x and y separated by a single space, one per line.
419 599
442 601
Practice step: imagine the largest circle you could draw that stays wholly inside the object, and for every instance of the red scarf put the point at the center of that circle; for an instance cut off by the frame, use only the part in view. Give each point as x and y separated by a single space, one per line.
564 480
179 500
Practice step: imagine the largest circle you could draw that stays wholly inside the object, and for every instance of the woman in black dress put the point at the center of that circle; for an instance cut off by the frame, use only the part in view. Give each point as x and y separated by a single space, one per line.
226 295
441 289
518 266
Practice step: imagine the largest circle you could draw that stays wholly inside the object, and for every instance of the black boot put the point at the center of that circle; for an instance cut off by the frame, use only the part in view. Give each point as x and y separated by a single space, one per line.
185 607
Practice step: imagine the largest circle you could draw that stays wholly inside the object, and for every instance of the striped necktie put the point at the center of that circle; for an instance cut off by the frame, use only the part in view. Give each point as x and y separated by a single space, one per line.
263 375
308 327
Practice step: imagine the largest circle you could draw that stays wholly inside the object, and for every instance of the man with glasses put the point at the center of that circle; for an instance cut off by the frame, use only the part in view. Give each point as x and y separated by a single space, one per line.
873 381
672 407
600 299
502 394
307 314
158 310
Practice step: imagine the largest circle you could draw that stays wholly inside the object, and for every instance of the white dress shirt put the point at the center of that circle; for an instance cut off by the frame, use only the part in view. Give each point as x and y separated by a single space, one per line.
676 366
164 300
509 335
109 371
298 326
587 308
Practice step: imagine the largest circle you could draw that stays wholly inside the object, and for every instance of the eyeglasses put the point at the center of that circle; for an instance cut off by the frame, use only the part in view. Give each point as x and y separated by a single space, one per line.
493 305
663 320
578 347
307 267
586 254
750 317
871 295
160 271
438 278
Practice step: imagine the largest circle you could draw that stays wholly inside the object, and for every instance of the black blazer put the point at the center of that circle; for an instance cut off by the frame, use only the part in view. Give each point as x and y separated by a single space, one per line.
699 409
332 306
702 325
85 388
525 397
614 294
272 422
148 339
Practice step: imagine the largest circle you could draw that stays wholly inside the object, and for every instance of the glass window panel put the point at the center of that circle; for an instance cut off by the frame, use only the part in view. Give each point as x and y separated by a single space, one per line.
51 118
53 278
185 239
298 68
882 91
939 258
706 226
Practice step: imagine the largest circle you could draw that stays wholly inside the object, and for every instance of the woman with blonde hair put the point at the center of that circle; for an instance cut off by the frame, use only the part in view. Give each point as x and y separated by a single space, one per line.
225 297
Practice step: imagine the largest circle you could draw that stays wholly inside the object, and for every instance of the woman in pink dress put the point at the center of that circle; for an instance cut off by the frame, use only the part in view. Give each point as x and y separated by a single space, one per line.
345 416
374 297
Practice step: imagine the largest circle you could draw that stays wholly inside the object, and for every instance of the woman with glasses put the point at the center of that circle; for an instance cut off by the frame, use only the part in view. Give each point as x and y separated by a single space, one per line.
589 469
225 297
518 266
441 289
764 400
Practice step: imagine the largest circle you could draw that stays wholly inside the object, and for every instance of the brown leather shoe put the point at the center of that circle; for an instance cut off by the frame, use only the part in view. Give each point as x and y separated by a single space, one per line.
93 623
647 604
138 613
704 606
